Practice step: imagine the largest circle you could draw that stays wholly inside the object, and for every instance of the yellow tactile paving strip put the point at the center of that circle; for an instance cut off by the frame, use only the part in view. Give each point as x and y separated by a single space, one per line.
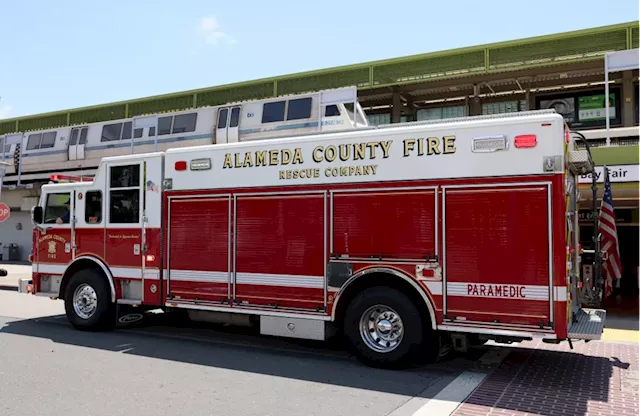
620 335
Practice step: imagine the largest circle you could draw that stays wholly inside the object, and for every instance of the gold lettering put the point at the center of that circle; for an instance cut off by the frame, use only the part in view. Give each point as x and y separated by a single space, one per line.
433 145
247 160
327 172
273 157
352 169
261 158
421 147
286 156
367 169
374 168
316 173
282 173
385 148
317 158
236 158
297 156
343 171
227 161
345 152
358 151
358 170
408 146
449 144
330 153
372 149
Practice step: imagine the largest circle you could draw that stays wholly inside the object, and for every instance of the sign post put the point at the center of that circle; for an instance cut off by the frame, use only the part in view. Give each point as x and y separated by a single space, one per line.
616 62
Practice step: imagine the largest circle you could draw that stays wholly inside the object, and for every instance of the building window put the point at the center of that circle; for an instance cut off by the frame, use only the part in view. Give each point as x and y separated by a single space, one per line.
111 132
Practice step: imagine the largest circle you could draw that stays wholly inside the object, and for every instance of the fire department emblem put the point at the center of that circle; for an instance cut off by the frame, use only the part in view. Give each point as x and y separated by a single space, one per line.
52 247
153 288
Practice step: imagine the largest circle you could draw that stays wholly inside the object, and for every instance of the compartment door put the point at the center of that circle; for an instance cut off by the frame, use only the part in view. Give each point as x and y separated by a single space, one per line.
199 260
497 252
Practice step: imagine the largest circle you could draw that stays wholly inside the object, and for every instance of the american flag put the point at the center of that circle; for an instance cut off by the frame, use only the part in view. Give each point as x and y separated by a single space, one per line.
611 266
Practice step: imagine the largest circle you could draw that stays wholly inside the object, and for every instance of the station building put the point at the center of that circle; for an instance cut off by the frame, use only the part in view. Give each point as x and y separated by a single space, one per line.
563 71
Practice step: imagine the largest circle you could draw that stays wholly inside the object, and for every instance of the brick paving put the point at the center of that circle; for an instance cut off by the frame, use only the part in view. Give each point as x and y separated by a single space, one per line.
596 378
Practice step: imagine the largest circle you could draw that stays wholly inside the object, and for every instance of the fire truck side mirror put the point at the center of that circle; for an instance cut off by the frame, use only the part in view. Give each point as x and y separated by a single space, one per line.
36 215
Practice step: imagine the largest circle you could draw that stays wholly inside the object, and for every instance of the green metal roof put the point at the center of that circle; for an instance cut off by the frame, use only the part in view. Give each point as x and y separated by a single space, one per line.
561 48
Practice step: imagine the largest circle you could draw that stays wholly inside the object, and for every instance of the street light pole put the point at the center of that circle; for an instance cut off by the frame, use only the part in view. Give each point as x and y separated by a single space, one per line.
3 169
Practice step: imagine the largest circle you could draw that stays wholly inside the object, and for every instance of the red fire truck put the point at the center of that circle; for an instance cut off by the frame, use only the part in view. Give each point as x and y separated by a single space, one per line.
402 238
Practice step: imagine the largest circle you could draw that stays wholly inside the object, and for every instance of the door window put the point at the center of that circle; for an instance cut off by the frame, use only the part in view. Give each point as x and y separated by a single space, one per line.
124 194
93 207
58 208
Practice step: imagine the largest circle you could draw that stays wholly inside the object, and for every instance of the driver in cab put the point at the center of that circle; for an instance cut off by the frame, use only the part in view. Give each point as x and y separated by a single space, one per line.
64 218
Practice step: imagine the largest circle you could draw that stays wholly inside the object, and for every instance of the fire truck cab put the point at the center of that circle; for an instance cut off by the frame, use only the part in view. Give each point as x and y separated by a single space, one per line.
403 238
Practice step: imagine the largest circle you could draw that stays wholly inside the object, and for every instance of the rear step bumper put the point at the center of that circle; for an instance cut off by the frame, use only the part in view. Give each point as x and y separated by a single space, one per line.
589 324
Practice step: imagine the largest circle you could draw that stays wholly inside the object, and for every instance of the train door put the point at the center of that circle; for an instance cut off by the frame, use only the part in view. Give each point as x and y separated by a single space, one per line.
77 141
227 126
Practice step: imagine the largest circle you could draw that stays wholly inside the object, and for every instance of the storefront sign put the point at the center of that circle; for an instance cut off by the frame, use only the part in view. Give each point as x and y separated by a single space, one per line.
617 173
623 216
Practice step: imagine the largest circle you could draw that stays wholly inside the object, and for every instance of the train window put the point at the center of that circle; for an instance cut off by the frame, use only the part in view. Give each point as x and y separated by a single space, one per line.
111 132
7 148
164 125
74 137
222 118
124 195
235 117
152 131
48 139
93 207
34 141
83 135
184 123
272 112
331 111
126 131
299 109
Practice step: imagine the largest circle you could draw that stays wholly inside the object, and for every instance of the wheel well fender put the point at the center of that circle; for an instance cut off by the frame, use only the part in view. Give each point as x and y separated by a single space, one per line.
87 262
382 276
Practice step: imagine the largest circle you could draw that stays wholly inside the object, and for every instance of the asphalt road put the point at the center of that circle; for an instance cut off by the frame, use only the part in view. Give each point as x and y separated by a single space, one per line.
47 367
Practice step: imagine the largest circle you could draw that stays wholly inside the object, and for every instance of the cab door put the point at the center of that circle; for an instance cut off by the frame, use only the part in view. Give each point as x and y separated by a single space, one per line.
124 219
228 123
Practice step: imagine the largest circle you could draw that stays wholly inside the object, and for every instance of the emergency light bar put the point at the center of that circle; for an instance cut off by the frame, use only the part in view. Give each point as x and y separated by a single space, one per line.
70 178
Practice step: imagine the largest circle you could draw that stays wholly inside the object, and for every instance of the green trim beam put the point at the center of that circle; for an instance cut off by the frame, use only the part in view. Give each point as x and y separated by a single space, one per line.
562 48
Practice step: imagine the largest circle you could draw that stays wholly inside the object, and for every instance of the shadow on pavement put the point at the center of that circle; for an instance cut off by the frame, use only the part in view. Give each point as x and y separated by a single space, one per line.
241 350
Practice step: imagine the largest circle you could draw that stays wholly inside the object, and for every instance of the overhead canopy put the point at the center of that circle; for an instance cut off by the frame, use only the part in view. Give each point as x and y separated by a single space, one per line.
624 60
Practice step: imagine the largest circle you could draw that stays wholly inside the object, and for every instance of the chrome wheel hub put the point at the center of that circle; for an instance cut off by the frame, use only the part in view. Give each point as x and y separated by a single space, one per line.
85 301
381 328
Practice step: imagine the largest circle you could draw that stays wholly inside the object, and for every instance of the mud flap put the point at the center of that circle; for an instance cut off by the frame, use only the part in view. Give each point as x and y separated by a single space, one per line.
128 316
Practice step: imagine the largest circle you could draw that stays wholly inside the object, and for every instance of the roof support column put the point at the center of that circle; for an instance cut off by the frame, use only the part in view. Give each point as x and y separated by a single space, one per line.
396 108
475 103
627 104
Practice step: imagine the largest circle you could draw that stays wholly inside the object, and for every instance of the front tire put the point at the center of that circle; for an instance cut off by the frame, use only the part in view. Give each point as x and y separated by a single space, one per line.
87 302
384 328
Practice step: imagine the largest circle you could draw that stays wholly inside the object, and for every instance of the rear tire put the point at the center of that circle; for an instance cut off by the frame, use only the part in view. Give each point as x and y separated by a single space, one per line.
384 328
87 301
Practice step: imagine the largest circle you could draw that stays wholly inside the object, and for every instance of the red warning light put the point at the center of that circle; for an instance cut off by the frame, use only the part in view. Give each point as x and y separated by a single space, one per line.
525 141
181 165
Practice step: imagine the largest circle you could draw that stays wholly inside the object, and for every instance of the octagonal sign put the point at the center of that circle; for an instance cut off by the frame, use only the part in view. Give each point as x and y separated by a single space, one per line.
4 212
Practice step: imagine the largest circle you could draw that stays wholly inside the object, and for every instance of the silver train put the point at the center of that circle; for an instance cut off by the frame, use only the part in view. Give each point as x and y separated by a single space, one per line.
77 150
